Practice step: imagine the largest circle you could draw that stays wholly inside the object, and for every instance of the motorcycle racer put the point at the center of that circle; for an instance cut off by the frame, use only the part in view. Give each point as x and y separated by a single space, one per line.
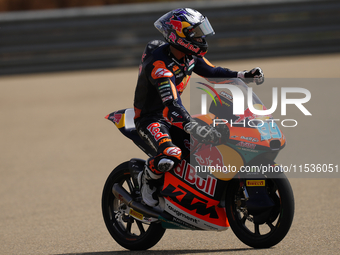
164 73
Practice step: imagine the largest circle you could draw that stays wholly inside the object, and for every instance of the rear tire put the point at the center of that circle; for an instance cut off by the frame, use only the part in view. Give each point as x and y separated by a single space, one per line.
126 230
278 222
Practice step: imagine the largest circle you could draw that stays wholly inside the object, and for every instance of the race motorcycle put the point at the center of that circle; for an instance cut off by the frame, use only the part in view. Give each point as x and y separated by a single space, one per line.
204 191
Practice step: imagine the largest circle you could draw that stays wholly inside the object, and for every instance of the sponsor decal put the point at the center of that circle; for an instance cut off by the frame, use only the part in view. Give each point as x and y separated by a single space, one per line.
255 183
250 139
160 71
116 117
164 82
188 173
193 203
184 43
167 86
171 64
246 145
143 56
175 114
173 151
184 215
188 45
191 67
208 155
155 131
166 98
190 201
226 95
176 68
176 24
164 90
172 37
165 94
202 54
179 75
164 140
225 103
136 214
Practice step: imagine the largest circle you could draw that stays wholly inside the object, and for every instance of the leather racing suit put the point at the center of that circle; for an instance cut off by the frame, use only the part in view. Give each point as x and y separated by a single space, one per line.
157 103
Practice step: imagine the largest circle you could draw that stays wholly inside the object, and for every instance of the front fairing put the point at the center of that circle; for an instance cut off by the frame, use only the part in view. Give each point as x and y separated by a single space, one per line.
252 130
253 139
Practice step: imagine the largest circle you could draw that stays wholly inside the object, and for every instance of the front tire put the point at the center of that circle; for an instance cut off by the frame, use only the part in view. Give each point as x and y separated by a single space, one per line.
126 230
276 225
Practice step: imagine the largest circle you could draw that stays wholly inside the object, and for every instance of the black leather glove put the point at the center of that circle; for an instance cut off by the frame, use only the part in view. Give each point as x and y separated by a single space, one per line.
203 133
254 75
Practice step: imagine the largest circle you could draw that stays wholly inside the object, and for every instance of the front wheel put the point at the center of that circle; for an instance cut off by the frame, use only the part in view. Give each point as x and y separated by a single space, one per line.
126 230
274 227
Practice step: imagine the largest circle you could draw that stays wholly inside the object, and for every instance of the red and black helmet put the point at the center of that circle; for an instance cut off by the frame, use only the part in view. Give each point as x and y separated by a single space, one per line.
186 29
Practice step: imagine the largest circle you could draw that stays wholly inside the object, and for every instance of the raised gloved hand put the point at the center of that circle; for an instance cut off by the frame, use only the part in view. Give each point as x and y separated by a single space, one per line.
203 133
254 75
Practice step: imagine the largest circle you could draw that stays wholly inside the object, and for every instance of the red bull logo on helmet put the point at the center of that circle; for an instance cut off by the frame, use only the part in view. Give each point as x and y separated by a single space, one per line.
176 25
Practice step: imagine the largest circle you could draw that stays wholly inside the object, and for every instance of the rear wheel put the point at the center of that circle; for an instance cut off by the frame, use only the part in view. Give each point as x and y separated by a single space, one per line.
126 230
276 224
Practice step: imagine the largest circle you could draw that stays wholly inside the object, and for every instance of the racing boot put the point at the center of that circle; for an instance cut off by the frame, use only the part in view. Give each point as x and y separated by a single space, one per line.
146 181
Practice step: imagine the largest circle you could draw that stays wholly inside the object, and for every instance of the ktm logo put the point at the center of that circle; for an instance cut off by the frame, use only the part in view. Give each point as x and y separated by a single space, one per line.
164 141
190 201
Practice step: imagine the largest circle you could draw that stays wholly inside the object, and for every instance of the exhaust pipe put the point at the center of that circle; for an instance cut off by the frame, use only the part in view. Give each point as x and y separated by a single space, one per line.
120 193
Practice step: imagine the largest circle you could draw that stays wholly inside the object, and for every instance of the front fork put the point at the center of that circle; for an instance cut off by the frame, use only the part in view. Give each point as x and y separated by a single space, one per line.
244 190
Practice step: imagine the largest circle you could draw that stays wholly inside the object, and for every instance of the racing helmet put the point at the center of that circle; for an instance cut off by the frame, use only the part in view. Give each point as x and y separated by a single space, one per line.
186 29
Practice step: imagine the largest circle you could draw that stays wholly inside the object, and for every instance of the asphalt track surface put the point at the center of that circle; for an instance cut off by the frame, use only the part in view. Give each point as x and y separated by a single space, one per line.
57 149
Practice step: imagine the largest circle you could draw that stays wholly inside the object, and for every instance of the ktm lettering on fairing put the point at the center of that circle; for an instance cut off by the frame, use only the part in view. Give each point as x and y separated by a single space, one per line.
190 201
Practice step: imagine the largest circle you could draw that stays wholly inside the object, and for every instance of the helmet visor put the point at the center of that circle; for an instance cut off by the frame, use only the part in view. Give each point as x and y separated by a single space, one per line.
203 29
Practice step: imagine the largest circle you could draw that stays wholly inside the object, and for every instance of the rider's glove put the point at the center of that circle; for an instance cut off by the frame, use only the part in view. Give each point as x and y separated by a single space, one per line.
254 75
203 133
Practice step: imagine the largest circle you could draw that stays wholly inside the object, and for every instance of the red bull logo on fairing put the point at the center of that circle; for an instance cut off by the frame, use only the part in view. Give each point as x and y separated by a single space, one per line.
188 173
208 155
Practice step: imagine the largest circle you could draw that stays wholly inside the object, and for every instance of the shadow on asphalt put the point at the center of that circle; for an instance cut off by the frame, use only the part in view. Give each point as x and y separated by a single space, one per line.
159 252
